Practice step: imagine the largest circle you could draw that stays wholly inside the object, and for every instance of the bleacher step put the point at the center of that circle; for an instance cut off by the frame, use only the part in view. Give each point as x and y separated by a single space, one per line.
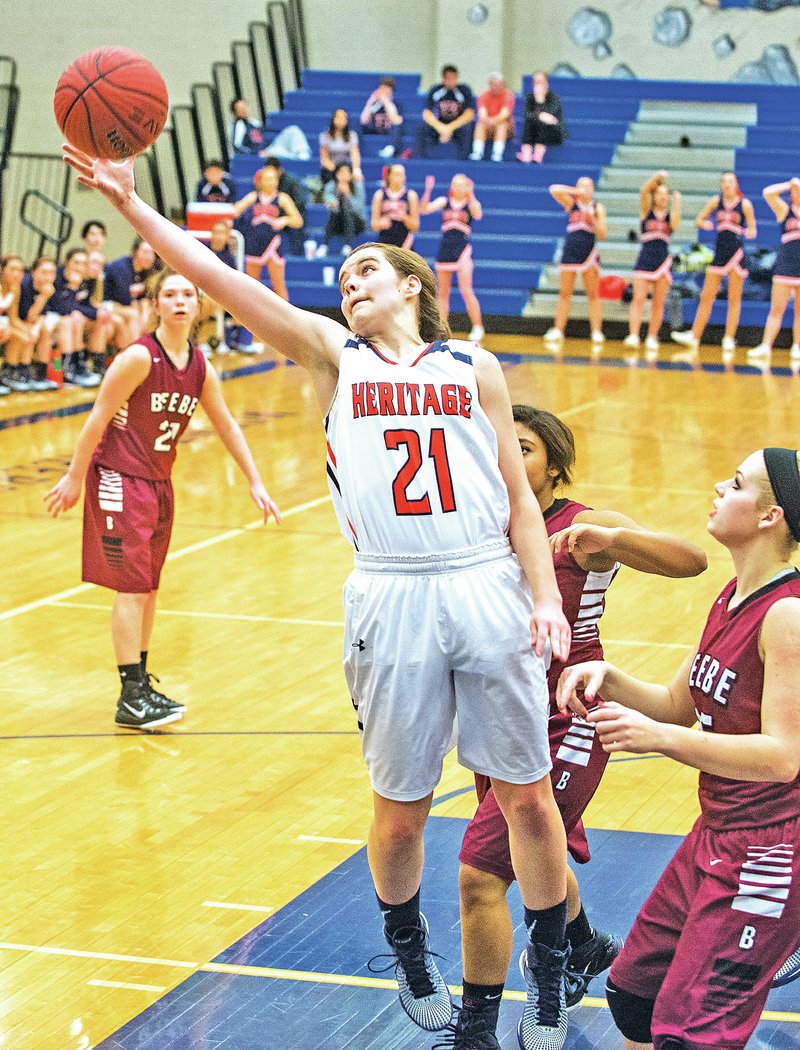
718 113
643 133
694 158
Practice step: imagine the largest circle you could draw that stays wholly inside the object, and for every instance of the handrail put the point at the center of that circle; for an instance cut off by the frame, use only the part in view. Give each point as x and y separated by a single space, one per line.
298 25
11 63
65 217
272 7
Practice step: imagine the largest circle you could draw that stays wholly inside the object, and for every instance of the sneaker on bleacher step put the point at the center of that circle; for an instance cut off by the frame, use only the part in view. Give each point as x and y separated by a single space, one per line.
386 152
322 251
526 154
553 335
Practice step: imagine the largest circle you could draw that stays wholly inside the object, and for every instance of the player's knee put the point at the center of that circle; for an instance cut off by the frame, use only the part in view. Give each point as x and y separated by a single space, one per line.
632 1014
477 889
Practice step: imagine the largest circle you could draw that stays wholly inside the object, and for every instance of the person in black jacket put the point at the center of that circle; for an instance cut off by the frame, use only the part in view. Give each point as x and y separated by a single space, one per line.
544 121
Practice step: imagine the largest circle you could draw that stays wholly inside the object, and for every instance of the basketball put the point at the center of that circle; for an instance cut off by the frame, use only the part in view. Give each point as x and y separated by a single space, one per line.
111 103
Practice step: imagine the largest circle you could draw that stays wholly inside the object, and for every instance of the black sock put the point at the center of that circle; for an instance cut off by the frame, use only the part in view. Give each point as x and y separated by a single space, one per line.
547 926
579 931
130 673
398 916
143 661
485 998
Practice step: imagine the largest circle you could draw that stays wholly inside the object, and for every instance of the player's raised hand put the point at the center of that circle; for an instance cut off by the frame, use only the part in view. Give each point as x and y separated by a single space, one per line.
621 729
585 678
63 495
262 499
549 623
111 178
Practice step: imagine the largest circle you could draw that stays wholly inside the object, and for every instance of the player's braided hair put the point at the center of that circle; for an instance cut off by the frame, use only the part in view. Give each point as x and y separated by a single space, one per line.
405 263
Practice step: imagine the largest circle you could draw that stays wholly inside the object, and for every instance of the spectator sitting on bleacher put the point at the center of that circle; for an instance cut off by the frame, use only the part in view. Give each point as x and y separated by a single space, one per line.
338 145
124 289
544 121
246 135
495 118
449 112
14 334
94 235
383 116
46 326
346 204
215 186
71 300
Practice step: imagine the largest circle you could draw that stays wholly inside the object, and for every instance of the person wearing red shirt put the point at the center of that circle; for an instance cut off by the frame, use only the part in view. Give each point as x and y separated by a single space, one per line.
495 118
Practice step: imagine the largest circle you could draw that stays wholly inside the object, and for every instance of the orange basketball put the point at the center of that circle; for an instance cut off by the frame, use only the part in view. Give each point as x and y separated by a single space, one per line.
111 103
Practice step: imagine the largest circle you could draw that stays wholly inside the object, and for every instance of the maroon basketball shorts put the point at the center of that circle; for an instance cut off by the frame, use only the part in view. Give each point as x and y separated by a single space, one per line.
578 765
127 523
709 938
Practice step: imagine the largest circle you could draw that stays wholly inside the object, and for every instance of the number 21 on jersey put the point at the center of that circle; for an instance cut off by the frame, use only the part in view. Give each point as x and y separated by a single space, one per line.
437 451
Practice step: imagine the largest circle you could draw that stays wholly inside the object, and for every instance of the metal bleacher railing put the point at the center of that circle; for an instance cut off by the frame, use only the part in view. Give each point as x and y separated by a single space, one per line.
35 188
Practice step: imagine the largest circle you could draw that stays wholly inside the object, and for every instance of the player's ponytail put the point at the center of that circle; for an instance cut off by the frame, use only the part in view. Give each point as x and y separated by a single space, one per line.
432 325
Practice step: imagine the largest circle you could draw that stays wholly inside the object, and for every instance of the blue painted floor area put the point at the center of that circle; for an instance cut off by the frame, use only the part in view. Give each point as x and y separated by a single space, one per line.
334 928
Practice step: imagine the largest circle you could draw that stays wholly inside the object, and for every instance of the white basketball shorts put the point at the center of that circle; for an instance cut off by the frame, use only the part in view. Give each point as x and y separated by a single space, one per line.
428 638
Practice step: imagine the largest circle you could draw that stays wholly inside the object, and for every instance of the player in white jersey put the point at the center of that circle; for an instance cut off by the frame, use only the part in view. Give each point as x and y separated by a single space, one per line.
450 545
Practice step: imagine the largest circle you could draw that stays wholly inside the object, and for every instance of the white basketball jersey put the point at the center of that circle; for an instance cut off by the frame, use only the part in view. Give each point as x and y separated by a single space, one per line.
412 457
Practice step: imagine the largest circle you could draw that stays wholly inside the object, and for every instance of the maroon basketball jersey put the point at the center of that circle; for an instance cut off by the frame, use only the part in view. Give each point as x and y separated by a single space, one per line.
726 681
141 439
583 593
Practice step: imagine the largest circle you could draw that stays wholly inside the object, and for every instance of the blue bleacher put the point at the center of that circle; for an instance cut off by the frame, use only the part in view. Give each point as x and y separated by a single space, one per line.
522 224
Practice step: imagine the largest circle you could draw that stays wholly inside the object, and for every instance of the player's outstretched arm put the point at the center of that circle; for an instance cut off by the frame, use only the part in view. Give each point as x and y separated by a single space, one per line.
527 531
597 539
231 436
127 371
308 339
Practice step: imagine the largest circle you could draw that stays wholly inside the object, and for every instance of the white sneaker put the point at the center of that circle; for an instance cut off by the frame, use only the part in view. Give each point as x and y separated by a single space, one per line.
598 338
685 339
477 333
554 335
346 249
223 348
762 352
206 351
794 353
631 341
322 251
387 151
476 156
728 344
252 348
497 155
651 348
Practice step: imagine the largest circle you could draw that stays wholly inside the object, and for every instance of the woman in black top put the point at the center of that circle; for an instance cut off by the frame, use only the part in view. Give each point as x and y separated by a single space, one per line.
543 121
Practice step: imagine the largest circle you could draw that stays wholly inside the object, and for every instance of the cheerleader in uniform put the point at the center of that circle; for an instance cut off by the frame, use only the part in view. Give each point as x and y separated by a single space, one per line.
733 218
586 223
260 217
660 219
786 279
395 209
460 208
